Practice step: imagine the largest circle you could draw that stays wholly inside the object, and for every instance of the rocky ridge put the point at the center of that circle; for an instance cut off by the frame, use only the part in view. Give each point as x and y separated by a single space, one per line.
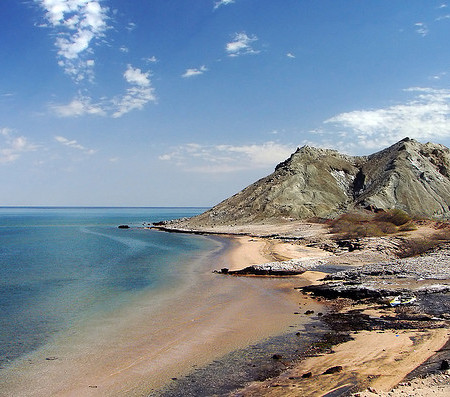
313 182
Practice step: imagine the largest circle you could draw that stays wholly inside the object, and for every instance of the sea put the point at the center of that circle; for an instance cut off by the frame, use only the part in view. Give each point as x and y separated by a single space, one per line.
60 267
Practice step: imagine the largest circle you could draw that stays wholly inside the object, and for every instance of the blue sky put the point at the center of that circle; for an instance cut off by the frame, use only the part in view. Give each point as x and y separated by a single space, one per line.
185 102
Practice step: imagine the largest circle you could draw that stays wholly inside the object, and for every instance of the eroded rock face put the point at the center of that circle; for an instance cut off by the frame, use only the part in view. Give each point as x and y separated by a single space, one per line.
314 182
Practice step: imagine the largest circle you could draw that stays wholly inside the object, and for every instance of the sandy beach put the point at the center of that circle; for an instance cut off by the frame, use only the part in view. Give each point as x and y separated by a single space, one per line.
139 349
142 349
375 359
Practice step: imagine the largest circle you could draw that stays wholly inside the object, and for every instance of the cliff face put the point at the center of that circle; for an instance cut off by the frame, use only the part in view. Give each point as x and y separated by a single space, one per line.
410 176
314 182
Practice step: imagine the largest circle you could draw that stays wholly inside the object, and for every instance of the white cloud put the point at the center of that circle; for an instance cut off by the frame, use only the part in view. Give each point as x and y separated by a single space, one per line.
131 26
438 76
220 3
77 23
151 59
74 145
443 17
421 28
124 49
227 158
136 96
241 45
425 117
140 93
137 76
195 71
290 55
12 146
78 107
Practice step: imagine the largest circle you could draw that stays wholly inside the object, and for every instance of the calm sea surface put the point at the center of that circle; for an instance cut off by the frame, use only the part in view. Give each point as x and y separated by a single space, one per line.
62 266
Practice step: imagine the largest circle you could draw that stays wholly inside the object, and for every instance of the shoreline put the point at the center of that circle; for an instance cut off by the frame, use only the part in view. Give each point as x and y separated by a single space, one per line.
359 358
137 350
216 315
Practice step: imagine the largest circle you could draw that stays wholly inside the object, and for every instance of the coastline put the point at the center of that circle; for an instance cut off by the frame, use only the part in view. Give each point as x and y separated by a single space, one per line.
148 349
377 358
136 351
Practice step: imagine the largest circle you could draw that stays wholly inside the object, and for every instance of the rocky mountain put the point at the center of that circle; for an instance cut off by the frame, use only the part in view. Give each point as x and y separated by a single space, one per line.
316 182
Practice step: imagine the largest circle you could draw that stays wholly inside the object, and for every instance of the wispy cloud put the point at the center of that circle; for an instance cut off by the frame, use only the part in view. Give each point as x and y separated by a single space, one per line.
131 26
290 55
151 59
80 106
195 157
241 44
77 24
136 96
421 28
195 71
438 76
220 3
12 146
425 117
74 145
139 94
443 17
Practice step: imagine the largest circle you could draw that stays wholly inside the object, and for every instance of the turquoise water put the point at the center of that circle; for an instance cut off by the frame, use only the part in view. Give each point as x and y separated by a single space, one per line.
61 266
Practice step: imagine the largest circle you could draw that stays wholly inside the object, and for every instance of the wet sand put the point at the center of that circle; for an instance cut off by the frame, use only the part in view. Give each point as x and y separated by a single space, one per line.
142 347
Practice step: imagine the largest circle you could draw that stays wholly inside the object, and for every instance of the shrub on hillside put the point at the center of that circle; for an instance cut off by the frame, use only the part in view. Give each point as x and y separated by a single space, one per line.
407 227
362 224
386 227
395 216
416 247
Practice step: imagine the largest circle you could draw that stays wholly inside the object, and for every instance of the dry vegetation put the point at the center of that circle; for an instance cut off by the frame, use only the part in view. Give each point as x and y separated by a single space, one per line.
417 246
367 224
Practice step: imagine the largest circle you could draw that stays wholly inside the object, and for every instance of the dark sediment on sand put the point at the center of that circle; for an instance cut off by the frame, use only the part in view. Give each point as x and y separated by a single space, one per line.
257 362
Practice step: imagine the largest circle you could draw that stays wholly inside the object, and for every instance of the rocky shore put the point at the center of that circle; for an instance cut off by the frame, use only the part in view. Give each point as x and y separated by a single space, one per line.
360 278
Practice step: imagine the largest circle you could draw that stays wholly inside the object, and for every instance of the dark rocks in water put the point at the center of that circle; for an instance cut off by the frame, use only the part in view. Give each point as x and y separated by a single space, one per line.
343 290
224 270
307 375
256 270
333 370
123 227
308 312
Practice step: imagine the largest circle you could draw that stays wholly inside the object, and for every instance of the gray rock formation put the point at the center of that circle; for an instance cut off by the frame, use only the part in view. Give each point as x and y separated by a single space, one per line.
409 175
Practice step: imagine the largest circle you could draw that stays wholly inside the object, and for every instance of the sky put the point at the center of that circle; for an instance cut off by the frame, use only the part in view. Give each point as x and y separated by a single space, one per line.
186 102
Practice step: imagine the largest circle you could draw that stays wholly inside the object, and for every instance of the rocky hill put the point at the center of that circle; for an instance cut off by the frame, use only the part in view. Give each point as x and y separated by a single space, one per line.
313 182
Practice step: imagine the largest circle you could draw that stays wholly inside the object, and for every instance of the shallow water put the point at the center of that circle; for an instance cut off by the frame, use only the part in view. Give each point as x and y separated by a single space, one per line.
60 267
129 309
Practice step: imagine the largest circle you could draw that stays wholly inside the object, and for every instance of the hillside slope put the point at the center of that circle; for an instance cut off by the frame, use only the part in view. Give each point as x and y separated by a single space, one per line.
316 182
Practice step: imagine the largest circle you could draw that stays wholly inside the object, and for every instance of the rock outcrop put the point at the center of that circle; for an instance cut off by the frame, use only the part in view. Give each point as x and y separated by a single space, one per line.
409 175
